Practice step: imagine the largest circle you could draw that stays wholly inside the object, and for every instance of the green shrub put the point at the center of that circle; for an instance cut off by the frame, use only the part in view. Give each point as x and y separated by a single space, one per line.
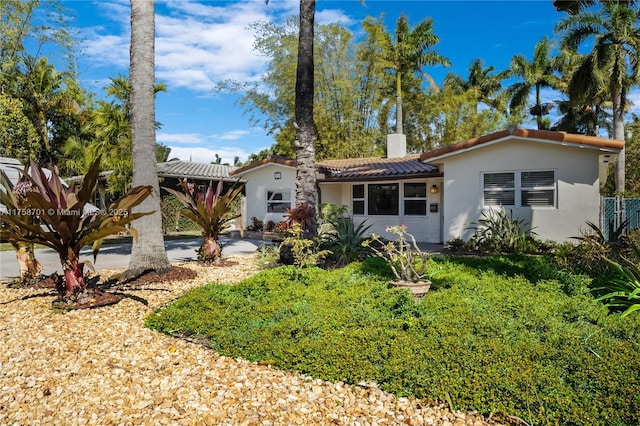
497 232
496 334
341 236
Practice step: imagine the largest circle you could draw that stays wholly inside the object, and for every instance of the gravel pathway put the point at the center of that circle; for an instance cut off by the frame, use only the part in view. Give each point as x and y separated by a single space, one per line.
101 366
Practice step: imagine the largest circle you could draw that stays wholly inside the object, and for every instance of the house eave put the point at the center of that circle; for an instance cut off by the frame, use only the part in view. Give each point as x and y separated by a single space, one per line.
381 178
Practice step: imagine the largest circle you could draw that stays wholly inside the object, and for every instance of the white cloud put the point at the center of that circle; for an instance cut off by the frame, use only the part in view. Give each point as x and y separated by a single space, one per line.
179 138
333 16
634 98
197 43
231 135
208 155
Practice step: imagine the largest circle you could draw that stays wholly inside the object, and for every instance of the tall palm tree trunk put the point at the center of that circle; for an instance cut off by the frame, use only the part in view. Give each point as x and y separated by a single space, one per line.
618 133
306 191
539 107
148 250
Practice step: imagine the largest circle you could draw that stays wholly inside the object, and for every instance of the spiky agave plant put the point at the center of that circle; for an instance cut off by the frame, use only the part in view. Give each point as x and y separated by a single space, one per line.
63 223
212 212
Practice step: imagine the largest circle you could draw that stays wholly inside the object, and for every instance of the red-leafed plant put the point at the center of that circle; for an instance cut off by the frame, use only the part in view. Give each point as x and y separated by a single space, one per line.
60 217
211 211
28 265
302 214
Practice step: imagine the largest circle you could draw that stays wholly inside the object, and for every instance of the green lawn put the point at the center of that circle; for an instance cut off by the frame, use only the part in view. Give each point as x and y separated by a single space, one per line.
504 334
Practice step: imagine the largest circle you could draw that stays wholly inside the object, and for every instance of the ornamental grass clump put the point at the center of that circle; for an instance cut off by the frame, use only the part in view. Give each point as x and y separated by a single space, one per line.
408 263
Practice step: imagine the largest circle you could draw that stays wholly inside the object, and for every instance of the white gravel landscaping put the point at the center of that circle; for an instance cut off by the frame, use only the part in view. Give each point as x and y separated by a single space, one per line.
101 366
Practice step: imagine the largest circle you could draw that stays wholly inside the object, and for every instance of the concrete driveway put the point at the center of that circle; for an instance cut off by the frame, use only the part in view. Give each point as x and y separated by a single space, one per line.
113 256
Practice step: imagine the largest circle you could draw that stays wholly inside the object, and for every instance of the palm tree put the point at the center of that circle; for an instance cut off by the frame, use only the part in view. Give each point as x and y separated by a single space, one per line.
538 73
481 83
573 7
583 111
43 95
306 191
407 54
147 251
611 64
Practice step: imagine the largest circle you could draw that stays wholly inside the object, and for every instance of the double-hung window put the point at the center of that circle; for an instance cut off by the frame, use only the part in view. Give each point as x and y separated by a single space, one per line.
520 188
415 199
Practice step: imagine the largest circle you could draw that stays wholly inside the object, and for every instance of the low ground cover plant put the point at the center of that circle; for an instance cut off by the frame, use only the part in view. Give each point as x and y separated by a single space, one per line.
497 334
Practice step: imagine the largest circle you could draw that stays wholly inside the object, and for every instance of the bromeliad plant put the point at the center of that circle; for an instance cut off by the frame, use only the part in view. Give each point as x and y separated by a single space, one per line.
211 211
61 218
408 263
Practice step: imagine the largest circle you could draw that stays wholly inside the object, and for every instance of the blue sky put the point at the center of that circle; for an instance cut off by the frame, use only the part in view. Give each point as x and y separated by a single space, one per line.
199 43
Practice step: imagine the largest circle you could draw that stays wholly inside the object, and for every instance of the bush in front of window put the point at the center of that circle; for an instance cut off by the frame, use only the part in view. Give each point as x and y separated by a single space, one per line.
499 232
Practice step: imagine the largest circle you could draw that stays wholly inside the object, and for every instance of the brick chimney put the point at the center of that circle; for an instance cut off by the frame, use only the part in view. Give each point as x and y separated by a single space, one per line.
396 145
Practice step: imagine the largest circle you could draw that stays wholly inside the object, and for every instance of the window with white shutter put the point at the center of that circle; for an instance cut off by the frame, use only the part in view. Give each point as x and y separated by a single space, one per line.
520 188
499 189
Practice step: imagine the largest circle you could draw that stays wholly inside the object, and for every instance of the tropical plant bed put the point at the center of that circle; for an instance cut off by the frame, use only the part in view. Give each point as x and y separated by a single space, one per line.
502 335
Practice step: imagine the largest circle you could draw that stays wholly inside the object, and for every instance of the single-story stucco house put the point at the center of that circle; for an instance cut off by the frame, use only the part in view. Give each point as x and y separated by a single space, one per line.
550 179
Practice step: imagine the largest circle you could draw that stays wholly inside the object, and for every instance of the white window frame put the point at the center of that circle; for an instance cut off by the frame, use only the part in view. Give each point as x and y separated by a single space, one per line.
284 192
518 189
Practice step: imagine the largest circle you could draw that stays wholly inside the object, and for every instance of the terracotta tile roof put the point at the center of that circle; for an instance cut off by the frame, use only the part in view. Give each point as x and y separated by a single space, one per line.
191 170
271 159
376 167
358 168
553 136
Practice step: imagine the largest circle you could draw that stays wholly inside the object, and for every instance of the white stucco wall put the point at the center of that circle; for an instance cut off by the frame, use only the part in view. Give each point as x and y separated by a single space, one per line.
577 191
423 228
259 181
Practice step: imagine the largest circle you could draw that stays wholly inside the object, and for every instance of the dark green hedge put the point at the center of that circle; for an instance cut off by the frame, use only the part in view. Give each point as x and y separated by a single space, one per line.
497 334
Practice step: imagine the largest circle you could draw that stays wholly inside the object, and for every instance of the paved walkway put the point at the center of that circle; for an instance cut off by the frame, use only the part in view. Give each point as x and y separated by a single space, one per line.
114 256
